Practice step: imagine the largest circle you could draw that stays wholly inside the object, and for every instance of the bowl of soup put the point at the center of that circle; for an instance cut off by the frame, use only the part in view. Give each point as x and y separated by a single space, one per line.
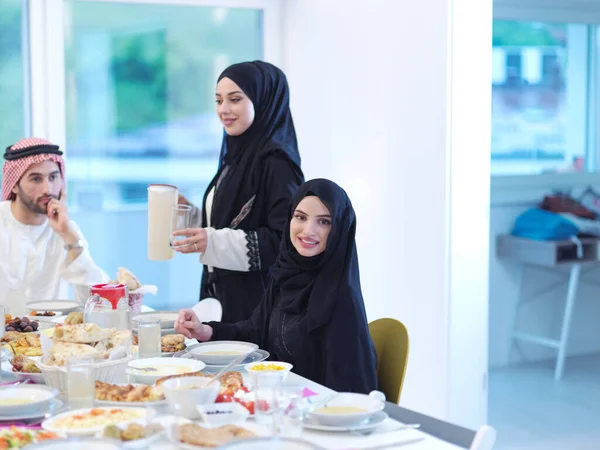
148 370
220 352
347 408
24 399
186 393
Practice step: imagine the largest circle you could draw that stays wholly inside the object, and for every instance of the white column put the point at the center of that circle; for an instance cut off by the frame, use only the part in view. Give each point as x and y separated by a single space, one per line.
393 100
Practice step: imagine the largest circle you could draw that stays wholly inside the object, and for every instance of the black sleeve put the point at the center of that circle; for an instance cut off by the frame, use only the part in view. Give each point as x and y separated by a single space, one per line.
282 178
252 330
349 359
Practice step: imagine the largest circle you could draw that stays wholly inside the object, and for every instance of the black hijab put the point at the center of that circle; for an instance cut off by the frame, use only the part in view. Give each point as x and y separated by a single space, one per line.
272 131
318 283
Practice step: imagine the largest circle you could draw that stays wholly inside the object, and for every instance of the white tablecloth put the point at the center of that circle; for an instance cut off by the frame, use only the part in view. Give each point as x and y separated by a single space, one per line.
383 435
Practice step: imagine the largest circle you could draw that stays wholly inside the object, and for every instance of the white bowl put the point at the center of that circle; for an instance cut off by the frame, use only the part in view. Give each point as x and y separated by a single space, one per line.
24 399
185 394
220 414
253 368
368 405
221 352
165 366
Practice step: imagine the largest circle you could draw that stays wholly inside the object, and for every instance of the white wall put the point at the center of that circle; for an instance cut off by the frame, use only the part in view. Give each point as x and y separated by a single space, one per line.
388 102
544 314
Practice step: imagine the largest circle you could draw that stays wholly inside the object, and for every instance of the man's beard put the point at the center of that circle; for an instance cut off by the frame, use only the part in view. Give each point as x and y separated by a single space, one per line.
32 205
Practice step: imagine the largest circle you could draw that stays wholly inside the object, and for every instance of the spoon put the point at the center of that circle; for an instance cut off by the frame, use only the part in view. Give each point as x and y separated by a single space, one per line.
144 369
227 368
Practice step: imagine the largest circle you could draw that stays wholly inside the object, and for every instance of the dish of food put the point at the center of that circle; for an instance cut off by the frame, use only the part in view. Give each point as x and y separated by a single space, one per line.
159 367
24 325
35 313
20 436
232 388
127 393
220 352
73 318
25 399
92 420
197 436
27 344
132 432
23 368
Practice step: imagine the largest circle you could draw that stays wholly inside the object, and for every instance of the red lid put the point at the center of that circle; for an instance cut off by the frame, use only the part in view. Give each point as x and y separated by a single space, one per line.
111 292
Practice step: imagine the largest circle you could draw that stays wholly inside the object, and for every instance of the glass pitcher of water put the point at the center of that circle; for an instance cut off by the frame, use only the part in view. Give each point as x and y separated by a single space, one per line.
108 306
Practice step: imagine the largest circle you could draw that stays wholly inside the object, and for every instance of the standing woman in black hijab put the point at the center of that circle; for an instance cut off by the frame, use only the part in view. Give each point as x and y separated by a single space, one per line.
313 315
245 205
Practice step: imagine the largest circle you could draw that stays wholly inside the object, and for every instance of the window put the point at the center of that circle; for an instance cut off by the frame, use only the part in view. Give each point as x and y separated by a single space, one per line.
140 82
542 101
13 110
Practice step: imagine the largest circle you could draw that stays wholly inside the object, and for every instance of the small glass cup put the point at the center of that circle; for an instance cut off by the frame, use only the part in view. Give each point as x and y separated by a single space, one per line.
267 401
81 386
149 333
180 220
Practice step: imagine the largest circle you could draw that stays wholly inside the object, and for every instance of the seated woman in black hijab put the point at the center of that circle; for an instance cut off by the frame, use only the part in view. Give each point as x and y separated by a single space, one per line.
245 205
313 315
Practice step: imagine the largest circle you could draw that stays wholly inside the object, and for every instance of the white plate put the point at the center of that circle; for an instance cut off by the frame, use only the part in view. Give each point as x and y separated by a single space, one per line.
34 397
45 318
165 421
374 421
77 444
259 430
35 377
48 424
136 404
52 407
272 443
139 376
220 352
64 306
167 318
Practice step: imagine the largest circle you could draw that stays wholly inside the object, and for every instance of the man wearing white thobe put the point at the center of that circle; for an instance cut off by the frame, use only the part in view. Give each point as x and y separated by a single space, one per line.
42 251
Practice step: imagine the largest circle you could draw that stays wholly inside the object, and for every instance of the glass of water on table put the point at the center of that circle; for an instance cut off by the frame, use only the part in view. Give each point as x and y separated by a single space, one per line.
81 386
149 333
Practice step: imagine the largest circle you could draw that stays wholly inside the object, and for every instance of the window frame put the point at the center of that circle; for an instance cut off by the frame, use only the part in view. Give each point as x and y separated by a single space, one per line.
47 54
508 189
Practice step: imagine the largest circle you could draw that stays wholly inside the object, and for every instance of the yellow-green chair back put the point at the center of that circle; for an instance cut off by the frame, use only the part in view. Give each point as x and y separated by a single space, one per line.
391 343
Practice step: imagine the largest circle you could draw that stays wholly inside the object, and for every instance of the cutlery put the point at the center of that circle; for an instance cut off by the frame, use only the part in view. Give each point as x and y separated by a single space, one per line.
144 369
226 369
398 444
407 426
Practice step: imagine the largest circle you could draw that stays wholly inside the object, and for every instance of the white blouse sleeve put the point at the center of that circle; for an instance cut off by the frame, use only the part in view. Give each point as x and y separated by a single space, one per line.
231 250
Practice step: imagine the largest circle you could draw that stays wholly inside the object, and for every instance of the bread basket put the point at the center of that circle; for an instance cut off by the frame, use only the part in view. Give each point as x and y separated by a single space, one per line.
109 371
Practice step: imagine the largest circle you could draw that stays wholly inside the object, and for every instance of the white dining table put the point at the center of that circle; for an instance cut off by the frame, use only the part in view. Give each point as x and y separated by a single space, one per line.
390 432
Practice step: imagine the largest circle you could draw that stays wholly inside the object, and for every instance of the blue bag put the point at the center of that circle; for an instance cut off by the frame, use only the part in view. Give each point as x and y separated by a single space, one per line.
543 225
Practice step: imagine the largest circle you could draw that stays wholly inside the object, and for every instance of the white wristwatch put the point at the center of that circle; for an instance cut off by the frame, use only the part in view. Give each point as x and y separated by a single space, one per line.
77 244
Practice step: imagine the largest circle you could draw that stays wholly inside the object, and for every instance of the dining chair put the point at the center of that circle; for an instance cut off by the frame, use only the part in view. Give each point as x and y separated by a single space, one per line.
390 338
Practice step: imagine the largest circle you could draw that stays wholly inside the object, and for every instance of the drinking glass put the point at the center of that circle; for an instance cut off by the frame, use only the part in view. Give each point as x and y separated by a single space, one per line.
267 391
81 387
180 220
149 333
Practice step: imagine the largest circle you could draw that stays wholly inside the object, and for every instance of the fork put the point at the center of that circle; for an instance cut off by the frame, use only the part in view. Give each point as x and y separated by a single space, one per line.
371 431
